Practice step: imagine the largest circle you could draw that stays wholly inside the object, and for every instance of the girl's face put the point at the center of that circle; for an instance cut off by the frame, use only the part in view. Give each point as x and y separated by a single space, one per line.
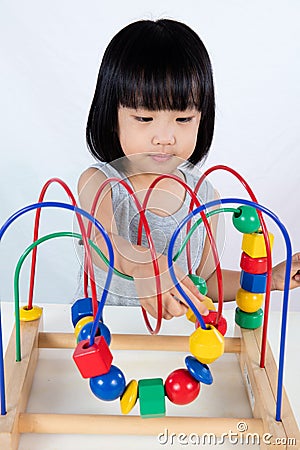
158 141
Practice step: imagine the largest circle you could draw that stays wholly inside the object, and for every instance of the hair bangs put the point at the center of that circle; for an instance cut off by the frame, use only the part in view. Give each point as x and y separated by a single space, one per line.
155 77
161 91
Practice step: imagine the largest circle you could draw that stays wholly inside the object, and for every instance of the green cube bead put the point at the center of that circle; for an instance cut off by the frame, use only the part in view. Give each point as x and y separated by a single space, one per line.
152 398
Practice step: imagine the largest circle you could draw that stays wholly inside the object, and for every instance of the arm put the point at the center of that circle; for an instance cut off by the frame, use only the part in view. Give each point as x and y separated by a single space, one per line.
134 260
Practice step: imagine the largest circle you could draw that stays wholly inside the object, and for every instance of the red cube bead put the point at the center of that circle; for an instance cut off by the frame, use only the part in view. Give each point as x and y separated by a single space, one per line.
93 360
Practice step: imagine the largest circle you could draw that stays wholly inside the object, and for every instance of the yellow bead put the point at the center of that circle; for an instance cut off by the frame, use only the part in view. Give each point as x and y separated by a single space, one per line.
254 244
207 344
129 397
249 302
209 305
28 315
190 315
80 324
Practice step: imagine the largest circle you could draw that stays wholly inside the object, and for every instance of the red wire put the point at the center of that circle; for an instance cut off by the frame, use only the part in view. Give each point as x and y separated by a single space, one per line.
150 242
268 250
205 221
84 237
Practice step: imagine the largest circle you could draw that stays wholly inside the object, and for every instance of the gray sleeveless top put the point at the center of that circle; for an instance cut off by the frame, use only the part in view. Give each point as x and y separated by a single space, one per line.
122 292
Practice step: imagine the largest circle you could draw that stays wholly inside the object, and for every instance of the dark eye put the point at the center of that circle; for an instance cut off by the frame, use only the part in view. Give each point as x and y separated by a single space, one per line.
183 119
143 119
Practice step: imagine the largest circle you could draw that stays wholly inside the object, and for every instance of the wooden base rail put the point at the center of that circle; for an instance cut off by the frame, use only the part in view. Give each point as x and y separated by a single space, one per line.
134 342
260 384
114 424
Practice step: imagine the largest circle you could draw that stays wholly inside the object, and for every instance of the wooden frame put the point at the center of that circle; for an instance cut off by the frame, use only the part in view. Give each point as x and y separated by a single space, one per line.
260 383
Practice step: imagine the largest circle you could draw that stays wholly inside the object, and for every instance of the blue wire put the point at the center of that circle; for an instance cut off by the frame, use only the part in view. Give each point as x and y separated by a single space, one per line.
98 225
286 281
170 264
2 380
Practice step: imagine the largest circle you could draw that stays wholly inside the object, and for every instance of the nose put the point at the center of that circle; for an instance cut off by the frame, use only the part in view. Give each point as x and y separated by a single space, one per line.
164 136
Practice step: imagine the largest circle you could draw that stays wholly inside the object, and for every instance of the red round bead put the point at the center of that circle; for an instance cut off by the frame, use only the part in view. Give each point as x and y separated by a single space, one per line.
181 387
211 319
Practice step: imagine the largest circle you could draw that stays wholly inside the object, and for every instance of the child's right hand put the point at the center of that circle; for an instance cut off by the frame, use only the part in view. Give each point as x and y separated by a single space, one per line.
173 304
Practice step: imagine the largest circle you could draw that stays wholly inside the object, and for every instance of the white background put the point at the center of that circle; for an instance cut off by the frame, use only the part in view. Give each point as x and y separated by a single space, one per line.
49 57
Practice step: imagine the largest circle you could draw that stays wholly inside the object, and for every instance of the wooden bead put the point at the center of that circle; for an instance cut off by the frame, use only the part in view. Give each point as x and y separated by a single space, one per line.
181 387
253 265
250 321
81 308
109 386
211 320
85 332
152 397
199 282
209 305
253 282
81 323
129 397
207 345
104 331
246 219
190 315
198 370
28 315
249 301
254 244
93 360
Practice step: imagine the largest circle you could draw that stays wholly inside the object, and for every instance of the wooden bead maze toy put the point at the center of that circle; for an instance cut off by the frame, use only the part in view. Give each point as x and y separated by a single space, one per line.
93 342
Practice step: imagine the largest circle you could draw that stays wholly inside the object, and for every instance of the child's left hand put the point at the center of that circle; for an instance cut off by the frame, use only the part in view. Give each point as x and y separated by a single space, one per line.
278 274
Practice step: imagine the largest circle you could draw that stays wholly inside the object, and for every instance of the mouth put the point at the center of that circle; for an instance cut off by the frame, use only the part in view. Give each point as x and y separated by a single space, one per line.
161 157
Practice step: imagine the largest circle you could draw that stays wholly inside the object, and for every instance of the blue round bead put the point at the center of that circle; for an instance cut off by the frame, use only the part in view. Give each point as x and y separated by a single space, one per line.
104 331
109 386
85 332
198 370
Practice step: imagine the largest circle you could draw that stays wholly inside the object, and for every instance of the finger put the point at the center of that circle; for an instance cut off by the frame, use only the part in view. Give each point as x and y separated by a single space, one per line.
198 303
192 288
148 305
167 316
174 306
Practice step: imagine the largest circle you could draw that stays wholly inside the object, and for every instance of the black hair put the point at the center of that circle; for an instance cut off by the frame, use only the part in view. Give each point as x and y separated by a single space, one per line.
156 65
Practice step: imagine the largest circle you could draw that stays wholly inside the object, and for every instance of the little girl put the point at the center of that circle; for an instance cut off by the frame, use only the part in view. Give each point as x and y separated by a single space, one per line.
153 113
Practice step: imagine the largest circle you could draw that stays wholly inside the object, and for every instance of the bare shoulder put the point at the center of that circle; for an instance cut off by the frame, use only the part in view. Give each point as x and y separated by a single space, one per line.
91 177
89 183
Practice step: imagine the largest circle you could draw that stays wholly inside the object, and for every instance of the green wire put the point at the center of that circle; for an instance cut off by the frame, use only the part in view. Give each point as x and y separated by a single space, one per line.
98 251
20 263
